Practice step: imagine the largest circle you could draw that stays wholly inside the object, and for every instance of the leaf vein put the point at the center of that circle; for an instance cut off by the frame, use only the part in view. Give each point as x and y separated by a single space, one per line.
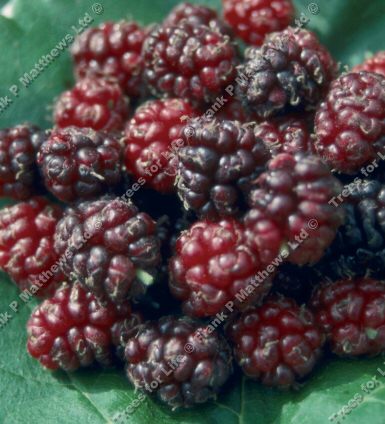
88 399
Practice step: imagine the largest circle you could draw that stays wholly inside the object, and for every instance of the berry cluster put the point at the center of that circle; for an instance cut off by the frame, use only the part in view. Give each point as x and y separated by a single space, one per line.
224 221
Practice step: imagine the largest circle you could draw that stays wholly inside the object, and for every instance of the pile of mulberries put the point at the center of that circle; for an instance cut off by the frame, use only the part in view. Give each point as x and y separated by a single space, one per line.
184 184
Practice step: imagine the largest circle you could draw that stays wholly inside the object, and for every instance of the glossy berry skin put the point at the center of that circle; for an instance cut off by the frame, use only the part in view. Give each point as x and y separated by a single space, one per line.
80 163
112 50
234 110
109 242
152 140
290 71
351 313
217 163
359 247
72 329
374 64
95 103
189 61
277 343
19 178
212 265
123 329
286 135
26 245
198 15
178 360
293 196
252 20
350 123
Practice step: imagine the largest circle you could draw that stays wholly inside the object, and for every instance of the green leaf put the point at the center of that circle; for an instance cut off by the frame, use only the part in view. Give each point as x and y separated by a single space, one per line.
30 394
